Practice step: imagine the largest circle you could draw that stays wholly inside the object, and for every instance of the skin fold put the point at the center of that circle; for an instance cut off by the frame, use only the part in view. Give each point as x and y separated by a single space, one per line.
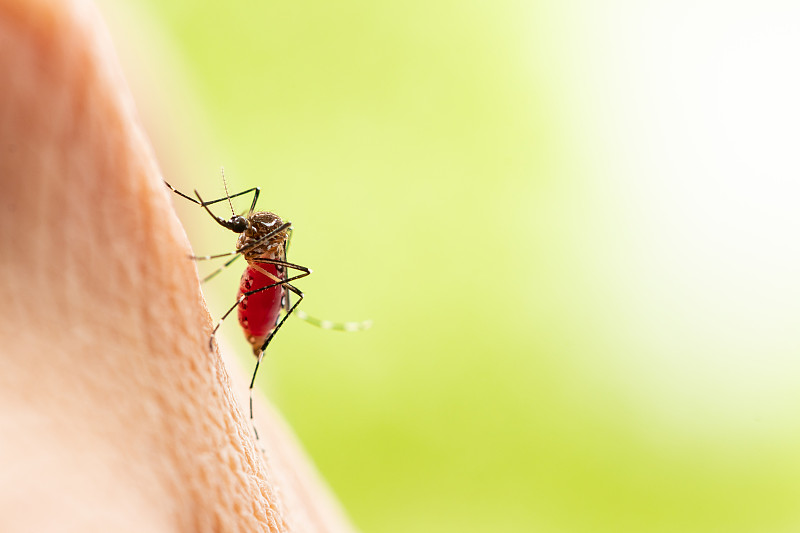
114 414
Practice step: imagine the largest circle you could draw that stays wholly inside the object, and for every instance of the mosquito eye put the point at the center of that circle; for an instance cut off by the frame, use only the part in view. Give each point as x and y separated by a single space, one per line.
238 224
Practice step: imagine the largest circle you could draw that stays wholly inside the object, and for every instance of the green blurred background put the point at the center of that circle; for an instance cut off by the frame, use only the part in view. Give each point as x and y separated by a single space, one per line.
574 225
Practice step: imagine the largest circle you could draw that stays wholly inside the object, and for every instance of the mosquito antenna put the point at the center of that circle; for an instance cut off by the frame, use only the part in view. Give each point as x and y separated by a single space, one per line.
225 184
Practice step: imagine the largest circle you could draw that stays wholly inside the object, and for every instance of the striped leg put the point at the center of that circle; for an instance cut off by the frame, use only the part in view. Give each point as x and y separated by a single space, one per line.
264 347
336 326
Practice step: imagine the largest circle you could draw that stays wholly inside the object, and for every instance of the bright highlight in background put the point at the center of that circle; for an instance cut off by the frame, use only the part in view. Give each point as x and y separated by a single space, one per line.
574 225
694 121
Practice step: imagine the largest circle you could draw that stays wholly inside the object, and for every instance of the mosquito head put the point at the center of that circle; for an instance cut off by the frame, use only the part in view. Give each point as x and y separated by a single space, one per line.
237 224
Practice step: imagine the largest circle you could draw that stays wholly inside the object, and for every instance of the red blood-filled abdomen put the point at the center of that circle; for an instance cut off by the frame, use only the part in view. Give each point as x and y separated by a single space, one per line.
258 313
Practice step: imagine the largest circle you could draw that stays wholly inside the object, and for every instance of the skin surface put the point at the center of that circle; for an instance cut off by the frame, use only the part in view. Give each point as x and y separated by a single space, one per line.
114 414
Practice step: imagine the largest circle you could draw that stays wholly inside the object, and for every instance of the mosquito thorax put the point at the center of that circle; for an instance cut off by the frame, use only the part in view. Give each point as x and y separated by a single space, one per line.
260 225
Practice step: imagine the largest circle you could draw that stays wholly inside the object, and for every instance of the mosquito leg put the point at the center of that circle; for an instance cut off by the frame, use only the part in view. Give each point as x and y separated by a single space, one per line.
179 193
220 269
236 255
288 240
252 381
217 256
300 296
255 199
286 304
264 348
255 190
336 326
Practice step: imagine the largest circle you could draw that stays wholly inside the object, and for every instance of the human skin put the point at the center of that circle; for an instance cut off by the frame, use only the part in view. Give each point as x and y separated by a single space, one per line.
114 413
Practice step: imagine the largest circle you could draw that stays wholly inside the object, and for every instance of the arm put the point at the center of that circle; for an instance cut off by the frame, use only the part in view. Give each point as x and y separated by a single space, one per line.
114 415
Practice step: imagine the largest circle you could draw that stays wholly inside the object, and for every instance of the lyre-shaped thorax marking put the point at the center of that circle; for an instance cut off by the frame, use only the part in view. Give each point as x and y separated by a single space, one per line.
253 242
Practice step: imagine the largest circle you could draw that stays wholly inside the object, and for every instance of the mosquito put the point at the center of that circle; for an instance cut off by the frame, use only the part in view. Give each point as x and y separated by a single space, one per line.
266 284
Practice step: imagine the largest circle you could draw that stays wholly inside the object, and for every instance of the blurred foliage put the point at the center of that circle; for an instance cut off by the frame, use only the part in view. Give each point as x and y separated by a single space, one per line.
444 182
